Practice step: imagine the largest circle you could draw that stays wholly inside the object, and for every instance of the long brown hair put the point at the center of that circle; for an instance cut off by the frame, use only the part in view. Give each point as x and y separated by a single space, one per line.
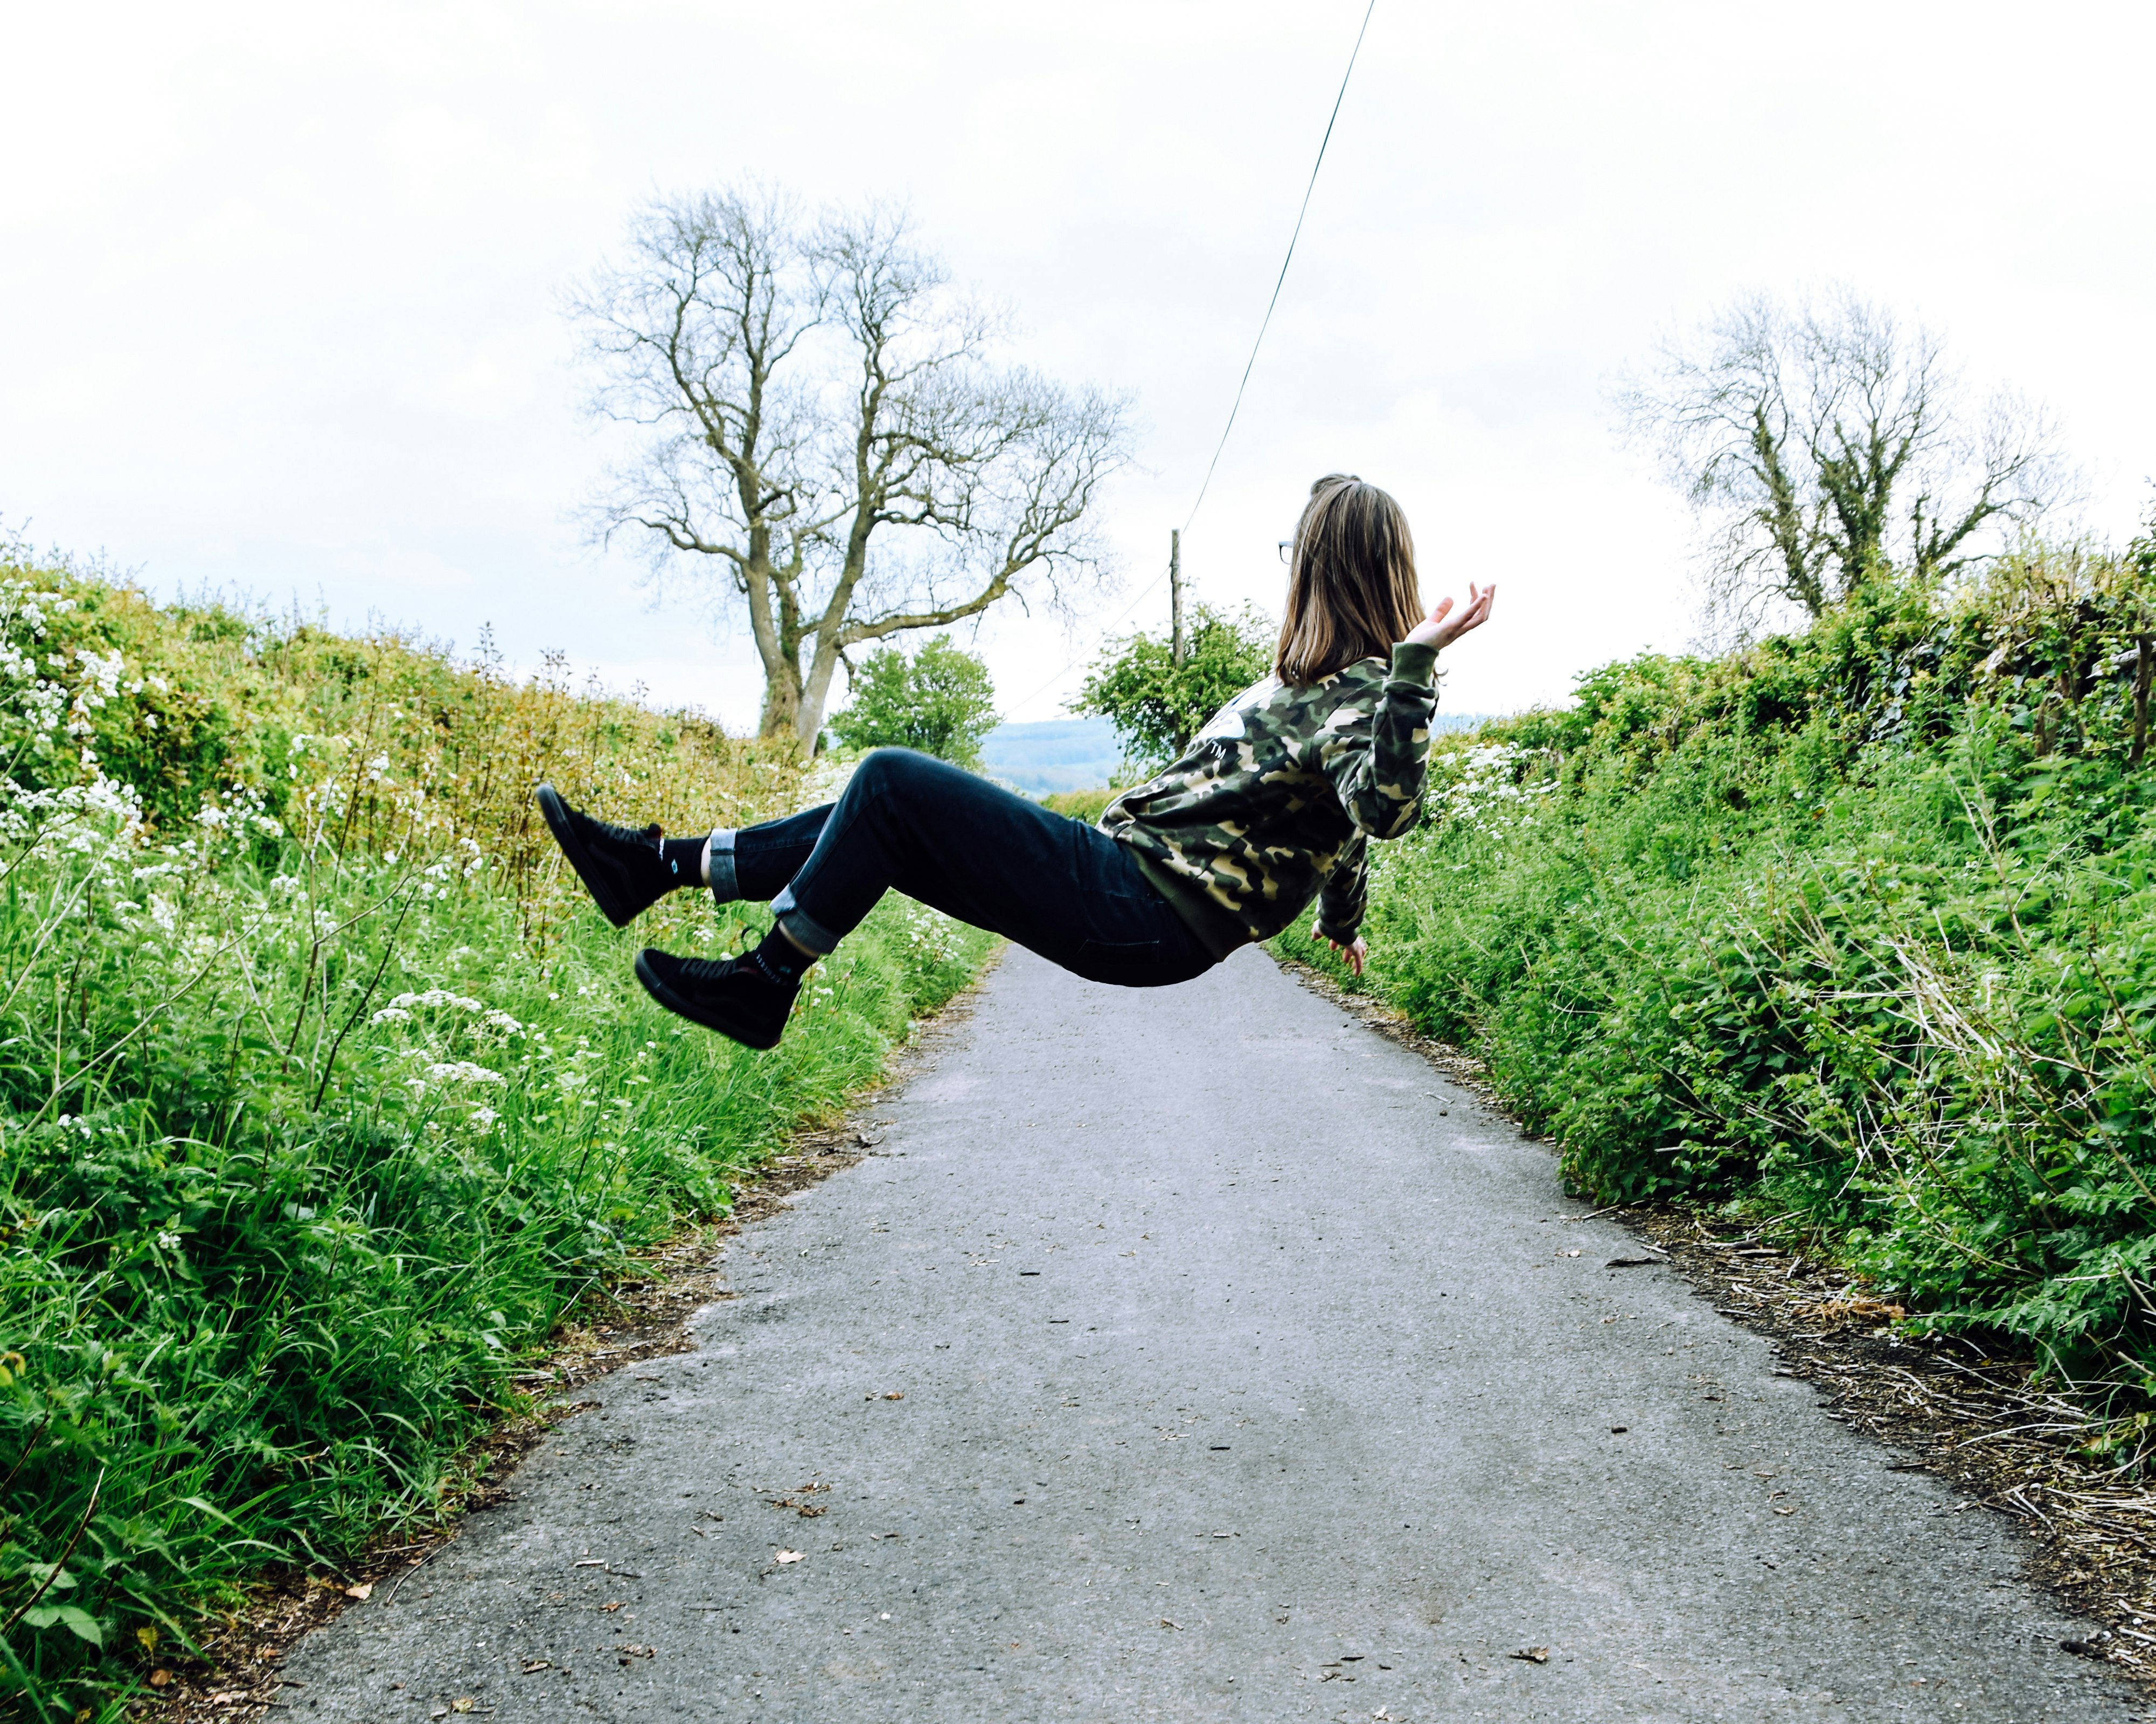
1351 584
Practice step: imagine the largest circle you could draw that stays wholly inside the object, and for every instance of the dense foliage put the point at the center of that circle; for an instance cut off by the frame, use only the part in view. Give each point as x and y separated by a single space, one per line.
1856 928
323 1094
941 701
1157 706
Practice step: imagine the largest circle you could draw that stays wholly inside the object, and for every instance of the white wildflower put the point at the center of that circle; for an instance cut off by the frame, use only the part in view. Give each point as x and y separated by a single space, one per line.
435 998
461 1071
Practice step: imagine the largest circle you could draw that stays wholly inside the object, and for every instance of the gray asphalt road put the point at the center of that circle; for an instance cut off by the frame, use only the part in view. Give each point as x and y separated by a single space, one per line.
1247 1373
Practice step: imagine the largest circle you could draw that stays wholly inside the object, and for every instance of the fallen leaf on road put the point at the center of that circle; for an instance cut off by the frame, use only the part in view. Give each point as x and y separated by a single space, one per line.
1785 1512
1166 1624
1534 1654
536 1664
787 1556
896 1395
462 1704
360 1591
611 1606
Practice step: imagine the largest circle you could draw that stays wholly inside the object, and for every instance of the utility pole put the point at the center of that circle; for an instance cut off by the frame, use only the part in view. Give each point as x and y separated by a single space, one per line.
1175 593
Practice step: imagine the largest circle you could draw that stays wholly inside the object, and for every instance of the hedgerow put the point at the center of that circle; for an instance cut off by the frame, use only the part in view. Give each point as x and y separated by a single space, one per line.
322 1094
1854 929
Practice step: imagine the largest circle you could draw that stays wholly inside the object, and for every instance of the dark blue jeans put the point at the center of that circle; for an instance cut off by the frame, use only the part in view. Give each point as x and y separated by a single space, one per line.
972 850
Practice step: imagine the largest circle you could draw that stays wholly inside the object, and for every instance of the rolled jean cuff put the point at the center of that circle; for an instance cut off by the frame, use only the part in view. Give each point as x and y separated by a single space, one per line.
718 863
801 927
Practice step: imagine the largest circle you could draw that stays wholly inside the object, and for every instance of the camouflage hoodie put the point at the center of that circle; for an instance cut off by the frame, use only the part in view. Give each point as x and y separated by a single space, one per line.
1277 798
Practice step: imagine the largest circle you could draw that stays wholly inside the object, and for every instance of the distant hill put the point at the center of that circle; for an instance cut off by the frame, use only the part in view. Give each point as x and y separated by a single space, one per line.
1055 754
1080 753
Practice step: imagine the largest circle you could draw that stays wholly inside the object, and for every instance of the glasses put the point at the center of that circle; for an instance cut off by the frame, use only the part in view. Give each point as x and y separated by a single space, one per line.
1287 550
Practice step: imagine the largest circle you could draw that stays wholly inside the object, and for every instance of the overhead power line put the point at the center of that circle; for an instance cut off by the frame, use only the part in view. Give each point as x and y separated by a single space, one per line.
1250 364
1280 281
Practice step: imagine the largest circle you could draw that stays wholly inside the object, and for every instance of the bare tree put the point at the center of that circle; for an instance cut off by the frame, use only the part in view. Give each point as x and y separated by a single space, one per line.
1826 444
827 425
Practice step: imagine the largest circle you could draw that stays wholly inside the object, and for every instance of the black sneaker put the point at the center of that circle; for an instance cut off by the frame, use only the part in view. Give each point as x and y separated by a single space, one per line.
622 868
735 995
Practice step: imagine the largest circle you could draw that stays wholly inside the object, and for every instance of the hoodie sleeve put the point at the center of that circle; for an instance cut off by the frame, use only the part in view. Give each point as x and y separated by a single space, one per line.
1347 889
1376 757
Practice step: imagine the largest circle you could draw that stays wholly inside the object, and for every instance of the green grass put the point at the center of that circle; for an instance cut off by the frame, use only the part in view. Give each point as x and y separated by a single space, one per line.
1855 931
317 1120
1086 805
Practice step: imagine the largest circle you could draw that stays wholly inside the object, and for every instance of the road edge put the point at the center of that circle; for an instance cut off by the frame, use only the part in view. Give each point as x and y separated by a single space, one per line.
1949 1408
635 1319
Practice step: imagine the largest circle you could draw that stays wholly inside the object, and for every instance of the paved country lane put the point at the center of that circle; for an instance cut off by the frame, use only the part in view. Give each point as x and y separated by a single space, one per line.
1244 1378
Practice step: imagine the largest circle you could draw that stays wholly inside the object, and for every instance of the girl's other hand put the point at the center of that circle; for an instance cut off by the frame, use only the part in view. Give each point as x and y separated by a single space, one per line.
1441 628
1354 955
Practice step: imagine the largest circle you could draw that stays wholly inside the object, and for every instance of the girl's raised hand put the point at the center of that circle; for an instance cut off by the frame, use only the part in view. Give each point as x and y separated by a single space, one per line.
1441 628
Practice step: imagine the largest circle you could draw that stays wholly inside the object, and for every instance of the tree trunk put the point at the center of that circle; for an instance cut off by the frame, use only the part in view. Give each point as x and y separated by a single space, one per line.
816 692
781 703
2144 670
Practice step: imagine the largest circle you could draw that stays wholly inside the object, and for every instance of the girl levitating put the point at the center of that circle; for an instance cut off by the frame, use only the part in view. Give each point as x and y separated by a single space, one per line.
1273 805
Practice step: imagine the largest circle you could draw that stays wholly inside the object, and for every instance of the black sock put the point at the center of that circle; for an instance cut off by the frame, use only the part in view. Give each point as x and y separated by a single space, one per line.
685 858
779 958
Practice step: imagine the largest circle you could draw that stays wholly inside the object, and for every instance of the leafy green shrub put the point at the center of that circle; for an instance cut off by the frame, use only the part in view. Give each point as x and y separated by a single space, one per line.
1157 706
941 701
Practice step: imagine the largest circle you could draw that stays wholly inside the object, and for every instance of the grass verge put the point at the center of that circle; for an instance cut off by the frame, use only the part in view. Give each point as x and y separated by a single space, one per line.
642 1314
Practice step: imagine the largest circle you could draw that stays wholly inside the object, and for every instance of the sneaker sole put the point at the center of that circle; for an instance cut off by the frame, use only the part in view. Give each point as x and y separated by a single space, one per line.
564 835
681 1008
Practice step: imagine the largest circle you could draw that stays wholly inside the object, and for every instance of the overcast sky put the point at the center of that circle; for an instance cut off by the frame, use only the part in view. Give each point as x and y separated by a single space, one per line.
281 286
